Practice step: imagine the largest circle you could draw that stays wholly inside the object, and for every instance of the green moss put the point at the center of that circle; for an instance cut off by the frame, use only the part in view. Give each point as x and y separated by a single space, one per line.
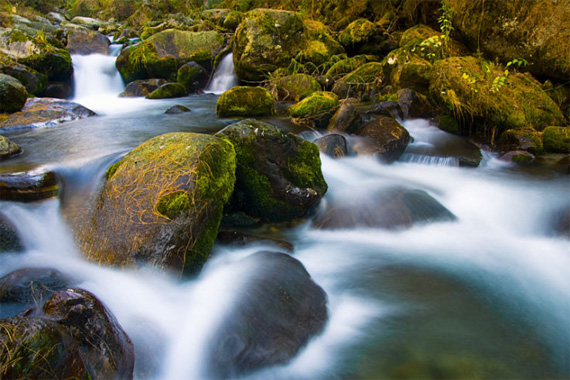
416 35
317 103
556 139
358 31
305 168
168 90
348 65
111 170
245 101
295 87
366 73
172 205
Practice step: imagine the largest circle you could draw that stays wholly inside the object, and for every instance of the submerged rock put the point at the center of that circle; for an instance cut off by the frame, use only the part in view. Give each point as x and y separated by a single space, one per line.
161 204
45 112
390 208
334 145
278 175
245 101
174 110
28 186
278 312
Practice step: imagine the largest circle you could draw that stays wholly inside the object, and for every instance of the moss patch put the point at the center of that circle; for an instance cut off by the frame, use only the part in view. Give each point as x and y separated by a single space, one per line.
245 101
172 205
295 87
556 139
317 103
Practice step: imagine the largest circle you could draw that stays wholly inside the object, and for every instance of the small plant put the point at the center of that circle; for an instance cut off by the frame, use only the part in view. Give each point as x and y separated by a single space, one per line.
445 24
500 80
429 46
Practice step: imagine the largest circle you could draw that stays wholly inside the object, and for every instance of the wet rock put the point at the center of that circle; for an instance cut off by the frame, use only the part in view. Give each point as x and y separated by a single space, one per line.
517 156
389 208
28 186
168 91
104 346
295 87
85 42
8 148
316 110
245 101
277 313
174 110
193 76
333 145
278 174
59 90
239 239
13 94
346 118
387 108
45 112
9 239
35 83
387 139
32 286
526 139
140 88
414 105
161 205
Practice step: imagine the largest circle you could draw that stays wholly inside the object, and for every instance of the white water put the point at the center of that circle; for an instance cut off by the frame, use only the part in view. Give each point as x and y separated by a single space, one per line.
224 77
499 252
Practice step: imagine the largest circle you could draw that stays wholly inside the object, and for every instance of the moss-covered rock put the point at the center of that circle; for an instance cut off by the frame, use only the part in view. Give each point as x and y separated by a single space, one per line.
245 101
35 83
141 87
491 99
278 175
315 110
193 76
162 54
556 139
232 20
362 82
346 118
268 39
161 204
404 69
8 148
295 87
533 30
526 139
347 65
362 36
168 90
13 94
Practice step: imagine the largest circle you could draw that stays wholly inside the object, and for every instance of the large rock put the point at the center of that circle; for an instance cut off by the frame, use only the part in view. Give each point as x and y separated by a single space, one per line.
85 42
245 101
278 174
385 139
167 91
141 87
72 336
390 208
279 311
345 119
35 83
365 37
161 204
556 139
295 87
193 76
161 55
28 186
536 31
45 112
316 110
13 94
471 90
8 148
268 39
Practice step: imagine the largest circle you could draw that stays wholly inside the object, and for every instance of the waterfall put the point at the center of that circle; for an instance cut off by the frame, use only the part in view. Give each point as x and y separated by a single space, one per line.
224 77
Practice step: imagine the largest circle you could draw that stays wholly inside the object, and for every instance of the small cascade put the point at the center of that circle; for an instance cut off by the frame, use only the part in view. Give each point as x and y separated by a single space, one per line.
429 160
225 77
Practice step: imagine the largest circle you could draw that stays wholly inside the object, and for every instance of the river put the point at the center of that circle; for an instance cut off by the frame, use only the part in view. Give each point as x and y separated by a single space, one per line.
484 296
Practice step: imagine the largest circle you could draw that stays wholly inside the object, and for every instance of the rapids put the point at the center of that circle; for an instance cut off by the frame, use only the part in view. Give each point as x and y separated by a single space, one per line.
485 296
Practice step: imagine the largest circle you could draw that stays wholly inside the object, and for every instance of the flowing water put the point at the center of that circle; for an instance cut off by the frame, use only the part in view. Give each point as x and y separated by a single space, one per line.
224 78
485 296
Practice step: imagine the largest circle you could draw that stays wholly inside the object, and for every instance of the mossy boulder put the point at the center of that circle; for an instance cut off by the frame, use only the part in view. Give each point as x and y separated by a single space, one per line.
556 139
141 87
404 69
35 83
161 205
193 76
244 101
536 31
13 94
45 112
278 175
524 139
490 101
362 82
168 90
384 138
162 54
315 110
346 118
415 35
269 39
362 36
232 20
295 87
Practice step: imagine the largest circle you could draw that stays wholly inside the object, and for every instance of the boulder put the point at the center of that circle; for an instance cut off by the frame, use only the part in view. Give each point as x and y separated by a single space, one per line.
88 22
333 145
140 87
532 30
193 76
295 87
8 148
487 101
278 175
232 20
388 208
45 112
85 42
162 54
415 105
556 139
244 101
387 139
167 91
365 37
347 65
316 110
404 69
35 83
346 118
269 39
13 94
28 186
177 109
521 157
278 311
10 240
161 205
526 139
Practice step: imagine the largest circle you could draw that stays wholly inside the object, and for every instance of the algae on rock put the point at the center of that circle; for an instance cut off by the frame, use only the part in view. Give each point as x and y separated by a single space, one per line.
245 101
